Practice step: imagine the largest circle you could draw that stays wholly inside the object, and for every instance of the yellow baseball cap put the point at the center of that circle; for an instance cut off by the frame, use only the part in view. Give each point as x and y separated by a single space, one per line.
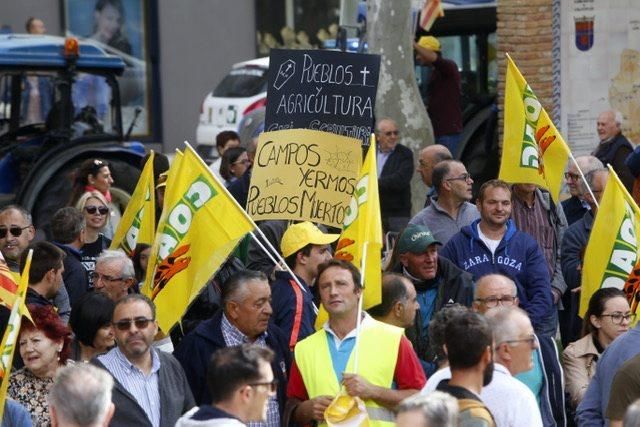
300 235
430 43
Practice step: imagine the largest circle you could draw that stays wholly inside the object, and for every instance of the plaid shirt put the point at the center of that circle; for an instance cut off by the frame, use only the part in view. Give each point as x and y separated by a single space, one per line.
233 336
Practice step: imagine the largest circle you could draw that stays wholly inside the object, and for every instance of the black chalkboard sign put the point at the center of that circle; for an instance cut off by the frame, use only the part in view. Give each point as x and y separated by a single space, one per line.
322 90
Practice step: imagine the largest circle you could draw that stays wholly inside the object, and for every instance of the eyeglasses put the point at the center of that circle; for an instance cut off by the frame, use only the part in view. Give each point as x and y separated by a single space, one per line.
97 276
571 176
15 231
531 340
616 318
463 177
392 132
273 385
125 324
490 302
102 210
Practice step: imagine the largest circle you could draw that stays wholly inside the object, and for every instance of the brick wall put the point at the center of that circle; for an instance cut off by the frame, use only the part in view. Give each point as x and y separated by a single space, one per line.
525 32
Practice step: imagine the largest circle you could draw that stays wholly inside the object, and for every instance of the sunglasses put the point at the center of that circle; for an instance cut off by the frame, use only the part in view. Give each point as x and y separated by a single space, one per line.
102 210
125 324
15 231
391 132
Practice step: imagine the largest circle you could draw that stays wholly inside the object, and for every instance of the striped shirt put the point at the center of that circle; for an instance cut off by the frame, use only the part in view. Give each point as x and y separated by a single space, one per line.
143 388
535 221
233 336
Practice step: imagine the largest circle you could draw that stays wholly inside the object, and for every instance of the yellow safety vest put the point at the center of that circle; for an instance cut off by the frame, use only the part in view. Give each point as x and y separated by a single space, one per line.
378 354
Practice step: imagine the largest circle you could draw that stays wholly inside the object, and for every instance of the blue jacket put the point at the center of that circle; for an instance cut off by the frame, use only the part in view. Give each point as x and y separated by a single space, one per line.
293 308
552 404
195 350
518 256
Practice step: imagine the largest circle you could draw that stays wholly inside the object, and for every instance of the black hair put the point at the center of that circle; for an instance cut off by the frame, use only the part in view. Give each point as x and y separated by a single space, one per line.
225 136
393 290
467 337
437 327
46 256
234 367
291 259
440 170
228 158
596 307
135 258
89 313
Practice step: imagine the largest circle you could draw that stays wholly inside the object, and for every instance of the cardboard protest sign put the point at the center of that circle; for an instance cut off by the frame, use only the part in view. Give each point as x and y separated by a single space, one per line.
322 90
302 174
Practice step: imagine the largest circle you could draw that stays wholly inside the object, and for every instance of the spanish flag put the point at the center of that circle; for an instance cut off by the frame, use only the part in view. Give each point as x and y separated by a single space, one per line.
8 345
138 222
201 224
533 151
361 240
611 257
431 11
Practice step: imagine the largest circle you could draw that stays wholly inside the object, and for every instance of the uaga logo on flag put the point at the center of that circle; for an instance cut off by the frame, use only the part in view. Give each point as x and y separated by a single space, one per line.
534 141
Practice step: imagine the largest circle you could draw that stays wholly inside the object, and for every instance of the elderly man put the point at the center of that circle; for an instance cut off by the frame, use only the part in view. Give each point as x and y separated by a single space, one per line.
399 302
614 147
493 244
240 381
81 397
444 92
438 282
114 275
395 168
575 206
451 211
324 361
436 409
150 386
246 302
429 157
573 247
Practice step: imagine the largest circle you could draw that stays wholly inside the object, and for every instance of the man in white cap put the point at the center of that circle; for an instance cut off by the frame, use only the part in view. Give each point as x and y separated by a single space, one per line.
443 93
304 247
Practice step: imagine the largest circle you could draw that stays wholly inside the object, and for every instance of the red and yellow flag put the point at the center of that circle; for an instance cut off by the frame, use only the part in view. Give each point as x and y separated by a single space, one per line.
431 11
533 151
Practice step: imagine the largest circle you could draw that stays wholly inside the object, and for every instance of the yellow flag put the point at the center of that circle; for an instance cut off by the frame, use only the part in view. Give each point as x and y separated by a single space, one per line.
201 224
138 222
533 151
8 345
611 256
363 228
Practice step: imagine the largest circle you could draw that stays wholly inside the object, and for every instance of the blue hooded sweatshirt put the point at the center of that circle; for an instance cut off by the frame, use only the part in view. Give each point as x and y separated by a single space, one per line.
518 256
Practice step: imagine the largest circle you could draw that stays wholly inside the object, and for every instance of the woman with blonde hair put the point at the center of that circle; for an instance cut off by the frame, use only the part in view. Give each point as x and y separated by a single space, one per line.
95 209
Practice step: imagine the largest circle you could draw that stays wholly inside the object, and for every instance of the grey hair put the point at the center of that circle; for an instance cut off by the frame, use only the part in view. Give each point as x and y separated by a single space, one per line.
437 408
588 163
108 256
618 117
25 213
589 178
81 394
632 416
384 119
503 323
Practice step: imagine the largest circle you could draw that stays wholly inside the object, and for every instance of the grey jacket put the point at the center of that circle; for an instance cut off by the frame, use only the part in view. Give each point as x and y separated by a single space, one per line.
441 224
175 396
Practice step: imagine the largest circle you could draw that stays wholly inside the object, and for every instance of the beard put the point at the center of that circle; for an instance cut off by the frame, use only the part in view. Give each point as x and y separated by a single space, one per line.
487 375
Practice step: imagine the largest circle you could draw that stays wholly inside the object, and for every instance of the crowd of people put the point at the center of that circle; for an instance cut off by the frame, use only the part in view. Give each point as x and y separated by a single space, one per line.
478 323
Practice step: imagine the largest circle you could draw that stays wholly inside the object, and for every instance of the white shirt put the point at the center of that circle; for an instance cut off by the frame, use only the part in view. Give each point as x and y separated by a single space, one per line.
510 401
491 244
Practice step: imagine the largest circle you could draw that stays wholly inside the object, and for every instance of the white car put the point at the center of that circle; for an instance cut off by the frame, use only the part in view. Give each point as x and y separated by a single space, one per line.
242 91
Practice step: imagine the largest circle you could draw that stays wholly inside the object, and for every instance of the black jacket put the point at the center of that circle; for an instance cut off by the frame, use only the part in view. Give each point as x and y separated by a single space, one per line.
75 275
195 350
615 153
394 183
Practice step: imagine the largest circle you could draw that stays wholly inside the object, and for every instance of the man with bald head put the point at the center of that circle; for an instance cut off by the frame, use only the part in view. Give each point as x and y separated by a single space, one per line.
395 169
496 291
575 206
429 157
614 147
451 211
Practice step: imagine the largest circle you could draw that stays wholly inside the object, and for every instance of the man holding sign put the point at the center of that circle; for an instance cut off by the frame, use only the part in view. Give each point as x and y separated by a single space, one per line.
325 360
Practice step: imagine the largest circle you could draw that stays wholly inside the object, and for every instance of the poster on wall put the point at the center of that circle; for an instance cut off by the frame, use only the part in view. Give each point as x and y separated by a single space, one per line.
600 68
121 28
